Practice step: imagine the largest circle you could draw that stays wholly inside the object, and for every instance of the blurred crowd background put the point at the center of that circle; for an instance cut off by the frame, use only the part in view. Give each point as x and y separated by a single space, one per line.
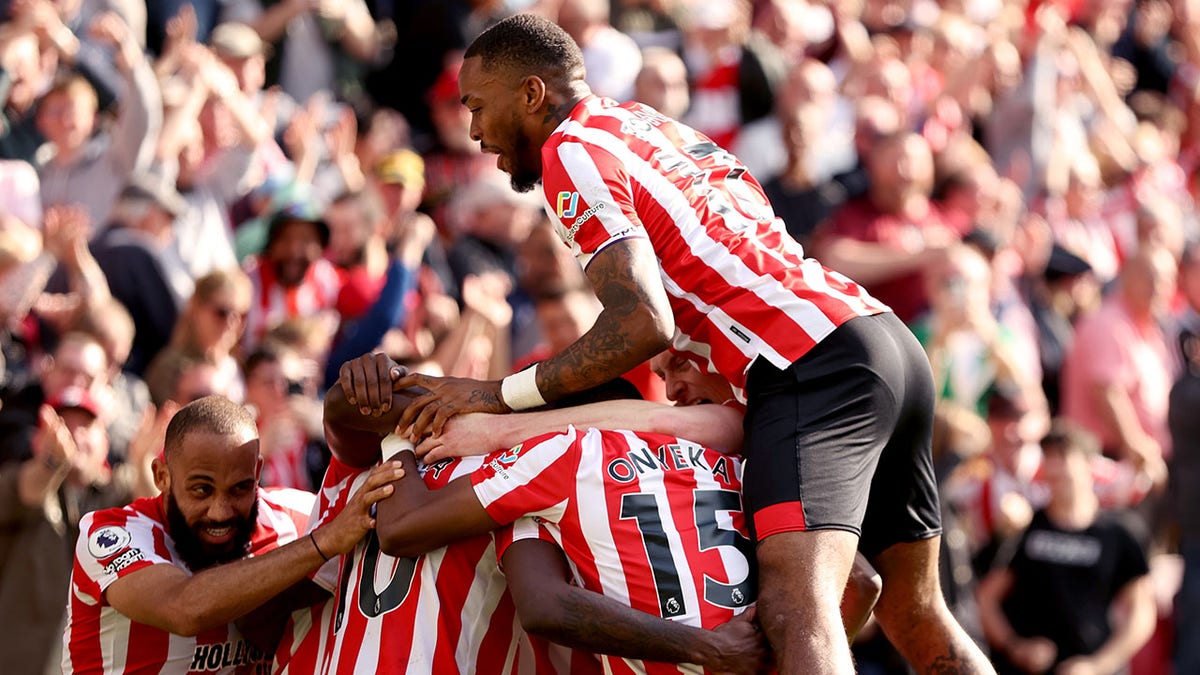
235 196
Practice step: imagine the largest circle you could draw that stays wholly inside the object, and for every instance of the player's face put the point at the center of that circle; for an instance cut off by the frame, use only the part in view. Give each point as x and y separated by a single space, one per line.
497 118
211 496
686 385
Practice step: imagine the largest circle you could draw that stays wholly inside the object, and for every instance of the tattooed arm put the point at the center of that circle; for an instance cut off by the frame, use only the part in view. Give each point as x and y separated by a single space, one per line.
635 324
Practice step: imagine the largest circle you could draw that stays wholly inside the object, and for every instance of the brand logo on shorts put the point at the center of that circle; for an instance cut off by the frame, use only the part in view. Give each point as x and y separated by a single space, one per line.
567 205
106 541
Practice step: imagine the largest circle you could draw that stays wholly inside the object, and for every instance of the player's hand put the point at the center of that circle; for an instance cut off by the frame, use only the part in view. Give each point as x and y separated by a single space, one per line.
463 436
353 523
368 382
740 646
447 397
1033 655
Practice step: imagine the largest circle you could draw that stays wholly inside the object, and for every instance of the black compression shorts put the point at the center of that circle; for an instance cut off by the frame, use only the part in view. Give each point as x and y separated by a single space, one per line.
841 439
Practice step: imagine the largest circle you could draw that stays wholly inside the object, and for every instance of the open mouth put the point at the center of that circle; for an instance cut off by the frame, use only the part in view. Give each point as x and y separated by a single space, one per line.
218 535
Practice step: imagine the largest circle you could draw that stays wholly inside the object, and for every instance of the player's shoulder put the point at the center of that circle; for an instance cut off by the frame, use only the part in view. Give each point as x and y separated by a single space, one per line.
289 498
286 504
146 510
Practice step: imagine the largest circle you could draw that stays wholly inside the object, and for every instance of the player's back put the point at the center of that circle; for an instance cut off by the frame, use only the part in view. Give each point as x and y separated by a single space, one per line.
652 521
737 281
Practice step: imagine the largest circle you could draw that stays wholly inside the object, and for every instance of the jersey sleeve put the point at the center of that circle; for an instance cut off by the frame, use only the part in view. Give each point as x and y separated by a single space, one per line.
114 544
536 477
589 197
331 498
520 530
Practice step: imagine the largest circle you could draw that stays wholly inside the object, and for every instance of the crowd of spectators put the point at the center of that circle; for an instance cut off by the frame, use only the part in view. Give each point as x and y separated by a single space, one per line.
236 196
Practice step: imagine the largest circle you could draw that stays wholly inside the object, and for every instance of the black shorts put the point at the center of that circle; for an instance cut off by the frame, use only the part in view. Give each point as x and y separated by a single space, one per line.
841 439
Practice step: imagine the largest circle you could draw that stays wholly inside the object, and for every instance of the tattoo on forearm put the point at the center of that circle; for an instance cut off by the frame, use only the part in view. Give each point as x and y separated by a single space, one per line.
953 664
608 350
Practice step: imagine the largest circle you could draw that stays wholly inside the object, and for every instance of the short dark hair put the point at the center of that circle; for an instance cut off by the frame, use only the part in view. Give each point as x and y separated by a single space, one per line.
211 414
1065 436
530 45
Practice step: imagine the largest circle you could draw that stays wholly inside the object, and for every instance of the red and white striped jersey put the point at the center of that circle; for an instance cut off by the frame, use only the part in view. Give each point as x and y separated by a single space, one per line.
115 543
740 286
301 648
652 521
446 611
271 302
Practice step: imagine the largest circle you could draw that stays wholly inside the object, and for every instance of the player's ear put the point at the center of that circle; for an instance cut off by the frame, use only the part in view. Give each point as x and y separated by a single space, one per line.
533 93
162 477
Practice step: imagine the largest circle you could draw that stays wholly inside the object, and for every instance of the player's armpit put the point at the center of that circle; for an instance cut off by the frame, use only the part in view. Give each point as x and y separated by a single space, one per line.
415 519
635 324
550 607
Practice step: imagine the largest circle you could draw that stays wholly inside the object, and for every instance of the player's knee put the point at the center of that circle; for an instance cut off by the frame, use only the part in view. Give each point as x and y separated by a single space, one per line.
865 585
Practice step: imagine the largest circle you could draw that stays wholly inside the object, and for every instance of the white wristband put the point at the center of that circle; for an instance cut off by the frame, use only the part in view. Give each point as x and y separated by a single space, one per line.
393 445
520 390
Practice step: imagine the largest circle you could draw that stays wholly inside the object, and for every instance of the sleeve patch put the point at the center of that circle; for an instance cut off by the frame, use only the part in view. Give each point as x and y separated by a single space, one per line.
107 541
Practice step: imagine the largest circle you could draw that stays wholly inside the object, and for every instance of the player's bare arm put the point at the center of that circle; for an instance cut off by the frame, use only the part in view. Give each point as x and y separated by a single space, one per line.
714 426
551 607
416 520
635 324
166 597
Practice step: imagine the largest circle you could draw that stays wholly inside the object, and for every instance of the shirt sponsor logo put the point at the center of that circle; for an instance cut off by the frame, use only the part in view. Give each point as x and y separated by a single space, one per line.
225 655
124 560
107 541
583 218
567 204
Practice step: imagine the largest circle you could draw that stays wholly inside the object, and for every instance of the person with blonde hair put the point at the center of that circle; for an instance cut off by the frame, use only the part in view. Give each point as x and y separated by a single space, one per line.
209 329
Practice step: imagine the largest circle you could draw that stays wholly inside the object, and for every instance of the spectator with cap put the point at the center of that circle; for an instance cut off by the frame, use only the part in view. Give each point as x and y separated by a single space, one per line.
277 190
1060 288
80 166
78 360
291 277
41 502
241 49
145 273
